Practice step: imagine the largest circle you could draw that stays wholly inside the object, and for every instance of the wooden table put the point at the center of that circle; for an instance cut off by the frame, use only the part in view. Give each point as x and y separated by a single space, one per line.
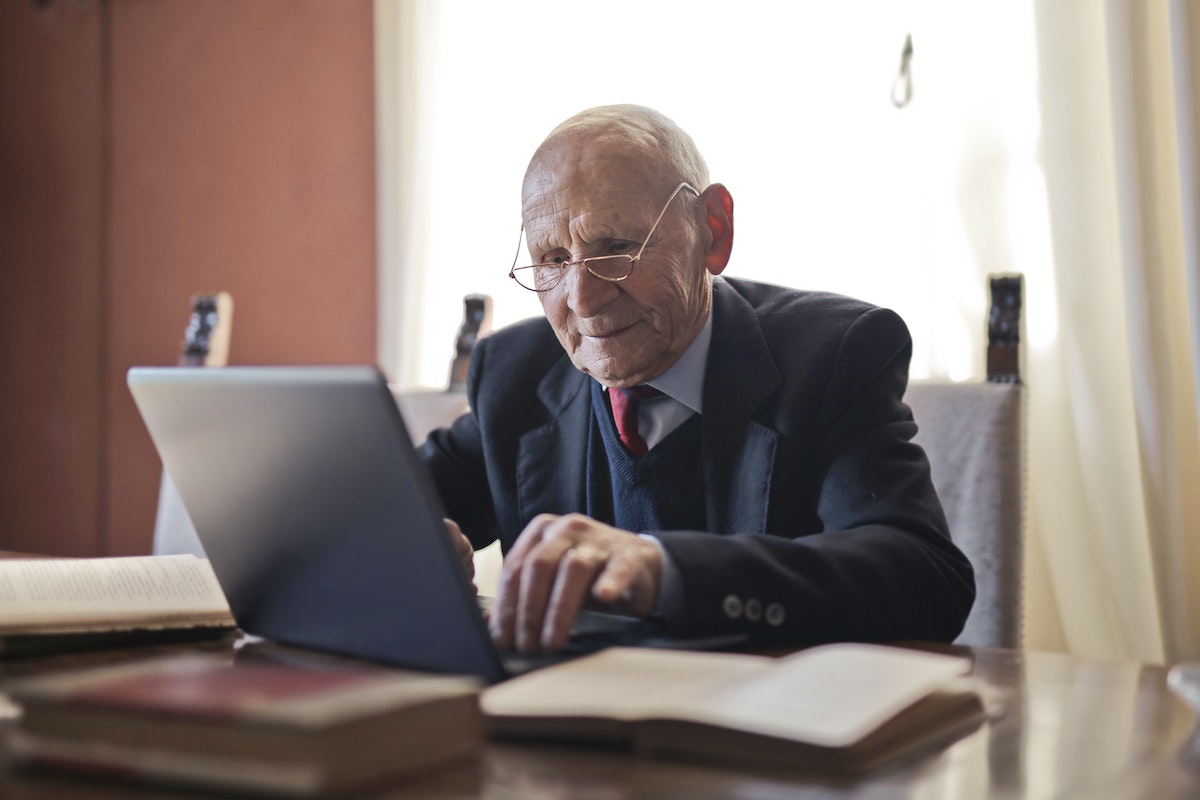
1060 727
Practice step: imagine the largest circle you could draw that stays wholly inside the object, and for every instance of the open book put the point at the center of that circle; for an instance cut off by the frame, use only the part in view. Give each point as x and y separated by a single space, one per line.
52 605
840 708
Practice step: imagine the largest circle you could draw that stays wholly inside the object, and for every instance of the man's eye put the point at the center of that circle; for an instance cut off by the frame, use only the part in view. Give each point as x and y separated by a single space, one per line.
620 248
558 259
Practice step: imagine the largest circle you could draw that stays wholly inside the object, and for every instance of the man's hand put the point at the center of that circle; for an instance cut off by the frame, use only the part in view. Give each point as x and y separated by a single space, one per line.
556 564
462 546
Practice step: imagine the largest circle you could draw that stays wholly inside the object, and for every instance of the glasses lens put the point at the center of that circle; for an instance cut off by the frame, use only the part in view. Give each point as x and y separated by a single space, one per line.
610 268
538 277
544 277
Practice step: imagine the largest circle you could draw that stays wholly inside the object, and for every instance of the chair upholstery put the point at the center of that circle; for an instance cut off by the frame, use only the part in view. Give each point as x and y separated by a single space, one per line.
427 409
972 433
974 436
174 533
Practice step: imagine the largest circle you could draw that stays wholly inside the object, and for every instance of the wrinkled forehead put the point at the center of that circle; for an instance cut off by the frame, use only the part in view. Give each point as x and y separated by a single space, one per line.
614 176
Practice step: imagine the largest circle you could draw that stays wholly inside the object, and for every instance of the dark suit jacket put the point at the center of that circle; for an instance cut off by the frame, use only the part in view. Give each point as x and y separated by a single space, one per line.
822 521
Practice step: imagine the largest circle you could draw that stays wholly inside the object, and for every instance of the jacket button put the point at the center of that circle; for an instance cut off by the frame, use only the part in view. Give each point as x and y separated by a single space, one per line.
753 609
732 606
775 614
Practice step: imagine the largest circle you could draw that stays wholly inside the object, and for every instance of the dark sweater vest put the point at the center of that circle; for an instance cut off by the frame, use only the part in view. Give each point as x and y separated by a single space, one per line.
661 491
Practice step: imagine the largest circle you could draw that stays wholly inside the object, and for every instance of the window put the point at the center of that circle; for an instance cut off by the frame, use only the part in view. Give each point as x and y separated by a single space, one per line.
791 102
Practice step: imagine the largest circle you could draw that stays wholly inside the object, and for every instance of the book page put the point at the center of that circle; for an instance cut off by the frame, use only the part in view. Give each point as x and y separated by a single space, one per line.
71 594
622 683
832 695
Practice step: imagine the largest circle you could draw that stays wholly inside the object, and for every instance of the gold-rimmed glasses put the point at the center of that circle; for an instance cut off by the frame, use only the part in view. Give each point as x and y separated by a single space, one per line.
544 277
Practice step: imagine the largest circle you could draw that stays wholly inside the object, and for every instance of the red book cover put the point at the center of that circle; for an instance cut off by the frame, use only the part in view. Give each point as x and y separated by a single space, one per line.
208 688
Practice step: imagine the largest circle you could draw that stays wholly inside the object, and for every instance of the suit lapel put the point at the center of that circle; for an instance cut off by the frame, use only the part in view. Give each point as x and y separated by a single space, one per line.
551 459
738 452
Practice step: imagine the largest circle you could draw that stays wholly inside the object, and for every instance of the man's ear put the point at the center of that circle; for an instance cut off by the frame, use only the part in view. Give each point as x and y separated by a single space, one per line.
718 210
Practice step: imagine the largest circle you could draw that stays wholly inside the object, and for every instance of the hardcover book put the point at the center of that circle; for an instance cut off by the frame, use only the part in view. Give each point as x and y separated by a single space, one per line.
253 725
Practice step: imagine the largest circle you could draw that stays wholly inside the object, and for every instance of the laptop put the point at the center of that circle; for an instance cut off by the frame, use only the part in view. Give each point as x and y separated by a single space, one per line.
322 524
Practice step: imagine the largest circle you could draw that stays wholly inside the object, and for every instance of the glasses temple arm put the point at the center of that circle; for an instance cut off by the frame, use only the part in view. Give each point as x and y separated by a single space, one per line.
517 254
661 214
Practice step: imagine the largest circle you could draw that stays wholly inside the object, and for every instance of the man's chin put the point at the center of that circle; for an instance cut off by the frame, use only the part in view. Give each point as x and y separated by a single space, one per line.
616 371
617 378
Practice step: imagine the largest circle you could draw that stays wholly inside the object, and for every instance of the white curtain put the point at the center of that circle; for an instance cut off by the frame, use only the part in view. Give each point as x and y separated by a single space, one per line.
1055 138
1115 454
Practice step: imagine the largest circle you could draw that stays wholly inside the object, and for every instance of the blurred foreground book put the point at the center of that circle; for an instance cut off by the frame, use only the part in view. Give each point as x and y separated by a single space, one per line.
840 708
288 729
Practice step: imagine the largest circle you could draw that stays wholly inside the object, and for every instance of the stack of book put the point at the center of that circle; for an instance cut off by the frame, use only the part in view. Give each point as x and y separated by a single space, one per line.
246 724
225 720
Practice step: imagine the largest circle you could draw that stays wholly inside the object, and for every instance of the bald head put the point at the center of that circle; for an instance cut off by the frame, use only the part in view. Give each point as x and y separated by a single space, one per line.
629 132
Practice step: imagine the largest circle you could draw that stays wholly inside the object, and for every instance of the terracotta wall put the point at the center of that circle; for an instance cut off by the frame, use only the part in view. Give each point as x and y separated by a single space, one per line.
151 149
51 223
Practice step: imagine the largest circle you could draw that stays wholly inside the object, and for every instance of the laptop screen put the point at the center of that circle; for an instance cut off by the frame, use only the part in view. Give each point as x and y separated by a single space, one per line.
316 512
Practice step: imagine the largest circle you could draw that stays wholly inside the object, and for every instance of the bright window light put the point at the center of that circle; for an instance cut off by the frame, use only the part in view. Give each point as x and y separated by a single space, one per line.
791 103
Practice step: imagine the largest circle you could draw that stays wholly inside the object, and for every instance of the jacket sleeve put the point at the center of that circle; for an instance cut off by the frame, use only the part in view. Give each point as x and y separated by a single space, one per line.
858 547
455 459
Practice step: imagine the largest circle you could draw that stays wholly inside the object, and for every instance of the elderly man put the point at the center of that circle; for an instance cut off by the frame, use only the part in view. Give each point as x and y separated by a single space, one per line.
730 456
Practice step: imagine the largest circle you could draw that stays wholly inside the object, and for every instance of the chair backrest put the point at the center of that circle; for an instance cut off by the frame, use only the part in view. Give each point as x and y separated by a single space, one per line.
426 409
476 322
974 436
205 344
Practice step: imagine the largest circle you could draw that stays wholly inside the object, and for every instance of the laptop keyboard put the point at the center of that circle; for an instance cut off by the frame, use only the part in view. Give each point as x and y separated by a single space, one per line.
595 630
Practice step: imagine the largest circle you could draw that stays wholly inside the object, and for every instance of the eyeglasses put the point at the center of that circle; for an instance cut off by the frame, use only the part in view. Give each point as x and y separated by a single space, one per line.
544 277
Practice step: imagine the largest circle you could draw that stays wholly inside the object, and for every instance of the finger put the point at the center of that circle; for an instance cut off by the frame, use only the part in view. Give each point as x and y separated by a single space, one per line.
532 536
462 547
503 619
630 579
538 576
613 584
576 571
503 616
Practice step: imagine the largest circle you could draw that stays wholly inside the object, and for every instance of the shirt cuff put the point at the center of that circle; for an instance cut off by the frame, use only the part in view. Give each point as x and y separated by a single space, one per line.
669 606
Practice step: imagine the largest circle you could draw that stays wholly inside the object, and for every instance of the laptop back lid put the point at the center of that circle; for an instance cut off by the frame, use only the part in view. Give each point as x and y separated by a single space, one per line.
318 517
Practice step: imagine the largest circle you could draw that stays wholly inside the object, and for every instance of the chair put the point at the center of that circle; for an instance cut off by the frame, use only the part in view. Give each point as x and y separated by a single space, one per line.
973 434
205 344
426 409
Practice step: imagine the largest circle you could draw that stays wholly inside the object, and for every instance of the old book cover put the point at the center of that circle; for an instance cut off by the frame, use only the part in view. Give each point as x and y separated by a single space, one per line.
840 708
52 605
294 728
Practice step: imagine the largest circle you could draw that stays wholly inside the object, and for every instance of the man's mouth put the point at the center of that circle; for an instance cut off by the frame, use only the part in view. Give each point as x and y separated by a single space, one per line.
607 332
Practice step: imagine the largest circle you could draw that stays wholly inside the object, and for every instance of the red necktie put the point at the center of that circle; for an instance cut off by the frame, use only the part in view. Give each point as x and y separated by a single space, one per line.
624 409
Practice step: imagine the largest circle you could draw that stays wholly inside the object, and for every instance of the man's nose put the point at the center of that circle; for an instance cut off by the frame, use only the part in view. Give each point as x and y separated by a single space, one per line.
587 294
